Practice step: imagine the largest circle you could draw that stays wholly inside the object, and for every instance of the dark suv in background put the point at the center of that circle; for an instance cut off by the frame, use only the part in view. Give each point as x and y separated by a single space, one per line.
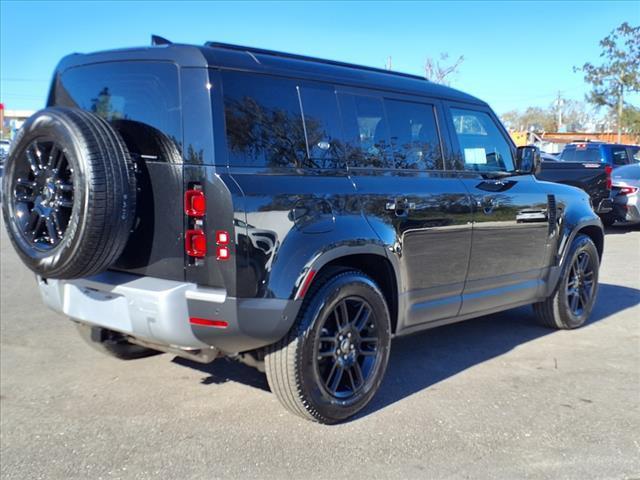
294 212
612 154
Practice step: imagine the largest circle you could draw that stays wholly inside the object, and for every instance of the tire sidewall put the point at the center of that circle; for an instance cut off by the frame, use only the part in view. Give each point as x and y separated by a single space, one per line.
46 125
350 284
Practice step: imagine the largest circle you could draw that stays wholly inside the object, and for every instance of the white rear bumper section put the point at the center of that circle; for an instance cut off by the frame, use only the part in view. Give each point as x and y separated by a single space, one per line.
148 308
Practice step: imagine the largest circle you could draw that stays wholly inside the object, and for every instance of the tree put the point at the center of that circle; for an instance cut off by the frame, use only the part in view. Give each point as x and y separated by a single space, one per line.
618 74
574 116
631 120
533 118
438 72
573 113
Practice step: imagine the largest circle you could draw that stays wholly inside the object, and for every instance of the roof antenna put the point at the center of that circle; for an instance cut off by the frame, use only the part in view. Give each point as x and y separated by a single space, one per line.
158 40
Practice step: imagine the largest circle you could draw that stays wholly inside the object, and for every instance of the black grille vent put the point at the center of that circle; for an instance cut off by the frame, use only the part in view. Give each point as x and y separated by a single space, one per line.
552 213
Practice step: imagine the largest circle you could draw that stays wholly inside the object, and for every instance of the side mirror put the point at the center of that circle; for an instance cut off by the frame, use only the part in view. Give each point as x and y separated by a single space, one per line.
528 160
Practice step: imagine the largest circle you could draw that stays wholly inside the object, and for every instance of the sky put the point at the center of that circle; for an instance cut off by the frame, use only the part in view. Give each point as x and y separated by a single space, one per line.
516 54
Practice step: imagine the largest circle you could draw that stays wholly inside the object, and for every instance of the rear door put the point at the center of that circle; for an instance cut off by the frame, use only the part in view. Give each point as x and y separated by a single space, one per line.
510 221
142 101
422 211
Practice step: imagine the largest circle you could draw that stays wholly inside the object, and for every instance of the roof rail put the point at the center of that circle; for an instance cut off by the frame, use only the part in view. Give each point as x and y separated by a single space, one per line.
274 53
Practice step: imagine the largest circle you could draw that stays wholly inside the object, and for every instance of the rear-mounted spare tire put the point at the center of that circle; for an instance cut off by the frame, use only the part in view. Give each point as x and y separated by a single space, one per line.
69 193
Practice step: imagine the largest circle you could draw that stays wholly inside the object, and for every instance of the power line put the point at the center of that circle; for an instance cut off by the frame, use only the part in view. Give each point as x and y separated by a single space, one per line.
10 79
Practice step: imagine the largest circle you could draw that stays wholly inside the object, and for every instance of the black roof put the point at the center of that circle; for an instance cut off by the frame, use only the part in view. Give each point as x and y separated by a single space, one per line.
238 57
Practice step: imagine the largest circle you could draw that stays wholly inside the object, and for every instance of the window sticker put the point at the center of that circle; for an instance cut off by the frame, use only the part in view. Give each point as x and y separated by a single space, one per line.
475 156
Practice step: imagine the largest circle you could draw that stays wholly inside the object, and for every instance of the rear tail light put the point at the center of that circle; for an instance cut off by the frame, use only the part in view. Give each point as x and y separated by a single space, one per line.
195 243
195 203
607 170
222 242
222 237
222 253
627 190
195 208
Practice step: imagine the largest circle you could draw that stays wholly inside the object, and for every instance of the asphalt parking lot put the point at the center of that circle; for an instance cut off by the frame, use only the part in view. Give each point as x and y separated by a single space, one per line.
497 397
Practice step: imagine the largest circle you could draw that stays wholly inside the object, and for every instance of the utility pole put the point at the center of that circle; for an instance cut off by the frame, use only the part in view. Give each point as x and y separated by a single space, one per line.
559 105
620 105
389 62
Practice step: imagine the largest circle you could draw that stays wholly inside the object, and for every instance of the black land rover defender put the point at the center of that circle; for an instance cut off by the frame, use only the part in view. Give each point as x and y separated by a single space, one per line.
296 212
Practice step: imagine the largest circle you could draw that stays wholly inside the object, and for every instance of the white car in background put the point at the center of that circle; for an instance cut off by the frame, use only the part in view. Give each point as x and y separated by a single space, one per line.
625 193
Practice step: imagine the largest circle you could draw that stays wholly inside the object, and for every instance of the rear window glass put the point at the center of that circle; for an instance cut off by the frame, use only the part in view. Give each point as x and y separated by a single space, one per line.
586 155
140 99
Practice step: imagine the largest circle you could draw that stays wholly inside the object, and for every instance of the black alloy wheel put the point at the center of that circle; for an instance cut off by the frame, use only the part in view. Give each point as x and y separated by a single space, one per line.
42 193
580 284
347 348
575 293
332 361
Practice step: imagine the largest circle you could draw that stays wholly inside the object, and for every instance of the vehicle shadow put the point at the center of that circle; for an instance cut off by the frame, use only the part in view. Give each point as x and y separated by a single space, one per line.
419 361
223 370
622 228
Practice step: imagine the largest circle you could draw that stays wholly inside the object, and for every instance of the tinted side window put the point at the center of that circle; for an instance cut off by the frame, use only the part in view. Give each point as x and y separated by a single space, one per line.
619 155
365 131
263 121
568 155
635 154
415 143
322 125
482 144
141 100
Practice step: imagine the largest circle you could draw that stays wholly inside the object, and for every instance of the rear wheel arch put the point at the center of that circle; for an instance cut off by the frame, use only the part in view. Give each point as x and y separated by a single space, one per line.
375 266
591 227
597 236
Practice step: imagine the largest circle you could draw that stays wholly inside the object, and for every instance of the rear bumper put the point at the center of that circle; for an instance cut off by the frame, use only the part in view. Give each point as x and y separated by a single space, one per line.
158 311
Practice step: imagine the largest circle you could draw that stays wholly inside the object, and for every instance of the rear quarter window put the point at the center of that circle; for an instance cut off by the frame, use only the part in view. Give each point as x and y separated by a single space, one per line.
620 156
263 119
